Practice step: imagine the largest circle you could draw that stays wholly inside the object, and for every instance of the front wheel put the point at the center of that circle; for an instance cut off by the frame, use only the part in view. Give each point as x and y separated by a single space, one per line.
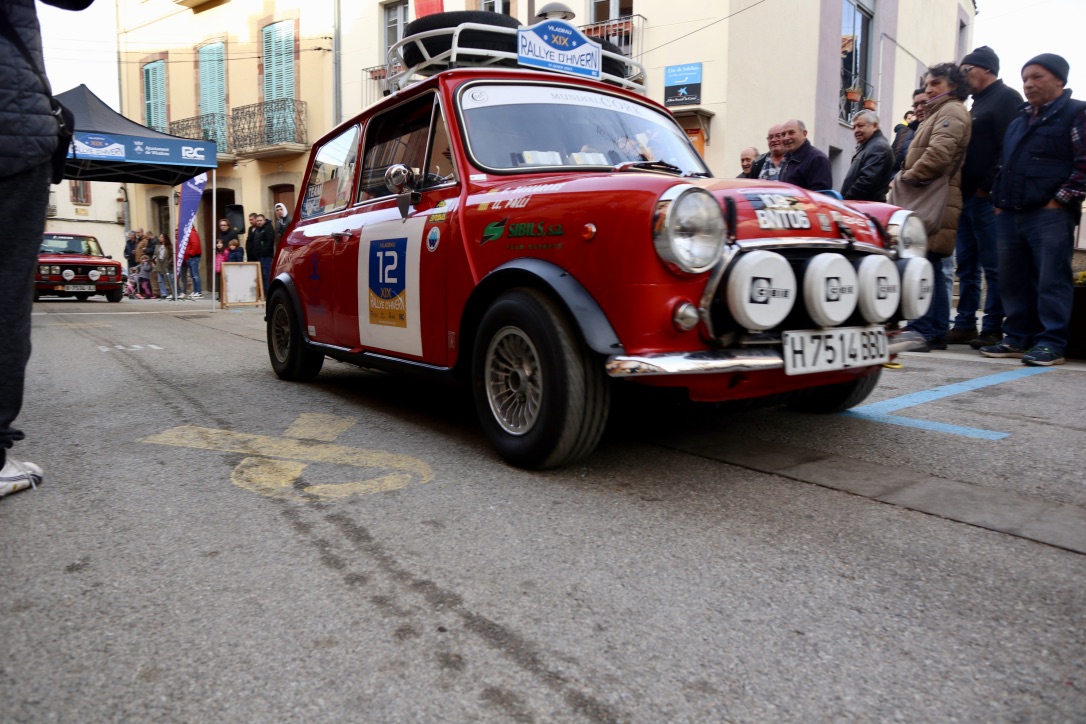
541 394
836 398
115 295
290 358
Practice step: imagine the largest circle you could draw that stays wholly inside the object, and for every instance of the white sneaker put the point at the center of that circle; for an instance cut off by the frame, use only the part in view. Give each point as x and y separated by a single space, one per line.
180 295
196 295
17 476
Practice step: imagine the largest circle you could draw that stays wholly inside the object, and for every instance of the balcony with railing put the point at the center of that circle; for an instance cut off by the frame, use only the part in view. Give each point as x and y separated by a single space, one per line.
628 33
373 83
856 95
273 128
208 127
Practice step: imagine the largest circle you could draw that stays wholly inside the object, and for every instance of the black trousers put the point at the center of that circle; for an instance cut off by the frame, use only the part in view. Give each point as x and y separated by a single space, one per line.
22 207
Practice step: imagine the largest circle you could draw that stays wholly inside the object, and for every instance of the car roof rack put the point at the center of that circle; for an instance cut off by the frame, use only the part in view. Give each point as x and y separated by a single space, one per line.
399 75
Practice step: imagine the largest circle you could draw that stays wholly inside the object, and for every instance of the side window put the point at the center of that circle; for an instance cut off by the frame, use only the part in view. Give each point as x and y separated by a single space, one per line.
330 181
440 168
398 136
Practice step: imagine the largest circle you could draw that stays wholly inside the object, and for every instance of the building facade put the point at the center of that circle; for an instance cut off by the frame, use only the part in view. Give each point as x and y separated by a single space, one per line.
265 80
255 78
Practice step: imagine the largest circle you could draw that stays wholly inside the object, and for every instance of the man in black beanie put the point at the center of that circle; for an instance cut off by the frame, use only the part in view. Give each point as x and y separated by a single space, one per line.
994 107
1038 197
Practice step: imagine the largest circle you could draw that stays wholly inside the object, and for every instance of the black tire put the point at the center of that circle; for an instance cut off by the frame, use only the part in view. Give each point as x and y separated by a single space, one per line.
37 295
836 398
82 296
468 39
115 295
290 358
540 392
610 65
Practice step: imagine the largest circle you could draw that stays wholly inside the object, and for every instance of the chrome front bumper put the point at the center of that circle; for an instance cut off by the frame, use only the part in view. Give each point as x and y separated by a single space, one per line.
707 362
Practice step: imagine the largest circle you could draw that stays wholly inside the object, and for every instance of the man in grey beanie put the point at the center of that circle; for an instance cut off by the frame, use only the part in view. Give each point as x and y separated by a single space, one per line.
29 134
1038 197
994 107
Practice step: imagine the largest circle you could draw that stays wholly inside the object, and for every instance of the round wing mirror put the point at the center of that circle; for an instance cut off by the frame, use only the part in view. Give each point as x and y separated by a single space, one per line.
399 178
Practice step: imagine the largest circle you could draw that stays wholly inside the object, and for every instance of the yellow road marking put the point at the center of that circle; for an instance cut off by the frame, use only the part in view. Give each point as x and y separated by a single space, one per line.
316 426
274 466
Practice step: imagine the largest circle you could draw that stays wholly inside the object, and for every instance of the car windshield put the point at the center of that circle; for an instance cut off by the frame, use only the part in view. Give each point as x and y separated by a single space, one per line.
525 127
70 244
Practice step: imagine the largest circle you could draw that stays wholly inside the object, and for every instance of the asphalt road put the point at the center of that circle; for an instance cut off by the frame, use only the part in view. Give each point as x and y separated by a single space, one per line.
213 544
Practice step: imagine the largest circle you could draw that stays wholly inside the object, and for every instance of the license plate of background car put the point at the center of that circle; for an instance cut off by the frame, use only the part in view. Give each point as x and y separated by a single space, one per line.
79 287
823 350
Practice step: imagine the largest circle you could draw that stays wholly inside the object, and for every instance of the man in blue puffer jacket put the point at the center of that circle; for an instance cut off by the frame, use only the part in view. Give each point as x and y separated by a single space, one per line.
28 136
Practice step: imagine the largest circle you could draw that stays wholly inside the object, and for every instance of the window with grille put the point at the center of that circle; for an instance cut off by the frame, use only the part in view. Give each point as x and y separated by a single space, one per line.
154 95
212 60
611 9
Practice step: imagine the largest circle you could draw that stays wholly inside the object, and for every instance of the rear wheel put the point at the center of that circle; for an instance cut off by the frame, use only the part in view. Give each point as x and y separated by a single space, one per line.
290 358
836 398
541 394
115 295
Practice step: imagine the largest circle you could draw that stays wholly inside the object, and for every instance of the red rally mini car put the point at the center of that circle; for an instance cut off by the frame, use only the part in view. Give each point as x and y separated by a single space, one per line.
545 237
73 265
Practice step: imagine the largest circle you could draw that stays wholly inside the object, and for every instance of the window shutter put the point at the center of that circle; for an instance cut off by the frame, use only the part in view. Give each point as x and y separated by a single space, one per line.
212 79
154 95
279 61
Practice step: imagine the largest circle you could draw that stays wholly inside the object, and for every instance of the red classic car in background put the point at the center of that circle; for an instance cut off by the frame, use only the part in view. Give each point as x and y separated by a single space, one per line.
73 265
544 237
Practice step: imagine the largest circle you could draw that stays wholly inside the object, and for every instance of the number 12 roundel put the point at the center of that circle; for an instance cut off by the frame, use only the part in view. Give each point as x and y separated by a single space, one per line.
387 289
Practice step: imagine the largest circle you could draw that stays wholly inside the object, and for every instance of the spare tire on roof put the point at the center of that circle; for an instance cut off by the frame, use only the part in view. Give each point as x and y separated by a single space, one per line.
610 65
480 39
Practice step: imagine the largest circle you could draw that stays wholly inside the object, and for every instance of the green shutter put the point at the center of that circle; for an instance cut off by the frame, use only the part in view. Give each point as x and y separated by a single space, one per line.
279 61
279 82
154 95
213 93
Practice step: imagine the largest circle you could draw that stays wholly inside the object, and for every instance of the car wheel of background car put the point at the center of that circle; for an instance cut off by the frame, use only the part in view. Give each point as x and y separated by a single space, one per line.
835 398
82 297
290 358
37 295
115 295
480 39
541 394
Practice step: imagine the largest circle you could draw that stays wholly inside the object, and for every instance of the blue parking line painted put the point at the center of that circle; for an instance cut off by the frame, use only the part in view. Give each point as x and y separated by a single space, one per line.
880 411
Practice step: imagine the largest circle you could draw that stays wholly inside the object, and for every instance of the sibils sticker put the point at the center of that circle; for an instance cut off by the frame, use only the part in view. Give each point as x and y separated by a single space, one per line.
433 239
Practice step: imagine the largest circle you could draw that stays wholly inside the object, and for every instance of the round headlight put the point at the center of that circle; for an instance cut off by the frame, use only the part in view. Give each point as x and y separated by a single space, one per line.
689 229
909 234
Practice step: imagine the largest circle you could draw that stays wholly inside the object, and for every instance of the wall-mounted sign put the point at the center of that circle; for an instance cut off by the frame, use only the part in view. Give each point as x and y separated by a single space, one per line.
682 84
558 46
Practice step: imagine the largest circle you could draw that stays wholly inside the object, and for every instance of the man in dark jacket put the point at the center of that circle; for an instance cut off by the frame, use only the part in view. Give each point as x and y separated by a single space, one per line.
994 107
262 239
1038 197
804 165
29 134
904 136
872 167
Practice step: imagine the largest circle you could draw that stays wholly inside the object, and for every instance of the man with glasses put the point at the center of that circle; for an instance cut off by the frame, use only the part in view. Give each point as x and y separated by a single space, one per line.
771 163
994 107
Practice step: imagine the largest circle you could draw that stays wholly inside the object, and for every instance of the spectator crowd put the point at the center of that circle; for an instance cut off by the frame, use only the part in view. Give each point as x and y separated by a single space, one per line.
999 185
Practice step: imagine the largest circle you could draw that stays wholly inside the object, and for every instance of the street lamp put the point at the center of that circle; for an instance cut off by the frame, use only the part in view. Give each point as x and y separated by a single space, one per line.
555 11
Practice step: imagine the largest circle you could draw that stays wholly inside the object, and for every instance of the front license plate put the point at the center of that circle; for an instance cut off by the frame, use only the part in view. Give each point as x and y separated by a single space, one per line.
79 288
823 350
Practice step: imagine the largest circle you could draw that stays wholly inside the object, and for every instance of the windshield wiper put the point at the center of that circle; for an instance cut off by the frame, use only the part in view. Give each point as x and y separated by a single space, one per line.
697 174
651 165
